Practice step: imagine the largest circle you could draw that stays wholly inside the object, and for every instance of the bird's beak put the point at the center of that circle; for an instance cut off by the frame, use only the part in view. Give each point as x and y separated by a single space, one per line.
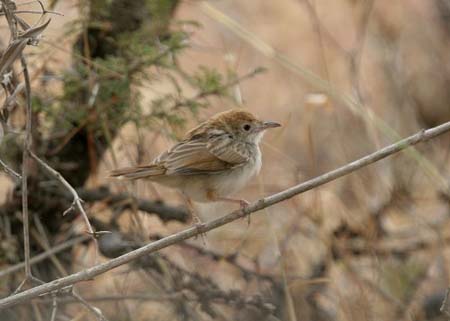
270 124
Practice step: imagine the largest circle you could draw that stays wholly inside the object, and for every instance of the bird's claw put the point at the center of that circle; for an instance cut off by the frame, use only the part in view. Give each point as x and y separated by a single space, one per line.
243 204
200 226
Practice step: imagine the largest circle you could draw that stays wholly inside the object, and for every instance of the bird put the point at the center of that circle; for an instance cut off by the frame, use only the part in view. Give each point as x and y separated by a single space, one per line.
214 160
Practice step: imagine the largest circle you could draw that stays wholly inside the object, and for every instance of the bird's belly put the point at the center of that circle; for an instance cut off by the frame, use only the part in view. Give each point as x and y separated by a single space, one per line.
233 181
201 188
221 185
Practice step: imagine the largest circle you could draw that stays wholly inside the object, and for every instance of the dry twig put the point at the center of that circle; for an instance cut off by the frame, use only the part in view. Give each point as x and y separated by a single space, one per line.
25 157
10 171
94 310
13 51
165 212
77 201
443 307
92 272
40 257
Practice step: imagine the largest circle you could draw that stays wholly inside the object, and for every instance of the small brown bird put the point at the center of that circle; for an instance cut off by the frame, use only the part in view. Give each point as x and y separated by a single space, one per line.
214 160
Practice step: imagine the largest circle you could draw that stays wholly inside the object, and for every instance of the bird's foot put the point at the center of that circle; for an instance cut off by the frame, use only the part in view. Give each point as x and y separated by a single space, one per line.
200 226
197 222
243 203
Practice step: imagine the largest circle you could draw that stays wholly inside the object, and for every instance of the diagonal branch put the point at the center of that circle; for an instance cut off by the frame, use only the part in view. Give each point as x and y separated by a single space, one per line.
42 256
10 171
347 100
77 201
265 202
165 212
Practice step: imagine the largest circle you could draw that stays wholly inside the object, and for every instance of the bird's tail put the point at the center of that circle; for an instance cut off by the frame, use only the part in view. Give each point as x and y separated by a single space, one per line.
137 172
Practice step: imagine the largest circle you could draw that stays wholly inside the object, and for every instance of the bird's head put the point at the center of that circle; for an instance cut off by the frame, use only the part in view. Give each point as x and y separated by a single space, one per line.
241 125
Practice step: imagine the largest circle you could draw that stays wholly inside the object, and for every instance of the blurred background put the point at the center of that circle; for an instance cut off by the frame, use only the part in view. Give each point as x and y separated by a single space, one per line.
116 82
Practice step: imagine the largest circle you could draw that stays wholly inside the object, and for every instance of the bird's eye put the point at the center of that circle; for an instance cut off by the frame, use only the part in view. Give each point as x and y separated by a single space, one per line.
247 127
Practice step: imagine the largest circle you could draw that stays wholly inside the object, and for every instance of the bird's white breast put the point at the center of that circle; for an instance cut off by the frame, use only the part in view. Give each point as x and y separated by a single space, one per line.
233 181
200 187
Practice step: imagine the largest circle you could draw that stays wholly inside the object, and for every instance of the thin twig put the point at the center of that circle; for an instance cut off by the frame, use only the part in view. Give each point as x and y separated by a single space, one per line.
25 161
26 146
210 92
40 257
193 231
35 12
119 297
27 143
10 171
96 311
54 307
165 212
77 201
231 259
10 100
41 238
321 30
318 83
443 308
356 57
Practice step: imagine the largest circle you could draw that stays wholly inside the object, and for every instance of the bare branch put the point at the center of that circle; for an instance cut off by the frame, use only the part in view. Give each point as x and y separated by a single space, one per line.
10 171
119 297
164 212
40 257
11 53
25 157
16 47
33 33
206 93
36 12
10 101
265 202
94 310
54 308
76 199
14 51
443 308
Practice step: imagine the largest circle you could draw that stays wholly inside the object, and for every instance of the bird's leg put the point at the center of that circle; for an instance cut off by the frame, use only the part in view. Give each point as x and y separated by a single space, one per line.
195 218
212 196
242 204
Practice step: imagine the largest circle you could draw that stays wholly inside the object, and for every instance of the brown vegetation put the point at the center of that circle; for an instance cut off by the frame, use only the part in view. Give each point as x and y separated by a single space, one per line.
345 78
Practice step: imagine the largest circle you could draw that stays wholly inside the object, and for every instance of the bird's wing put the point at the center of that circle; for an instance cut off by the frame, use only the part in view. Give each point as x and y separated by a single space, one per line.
228 150
201 156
